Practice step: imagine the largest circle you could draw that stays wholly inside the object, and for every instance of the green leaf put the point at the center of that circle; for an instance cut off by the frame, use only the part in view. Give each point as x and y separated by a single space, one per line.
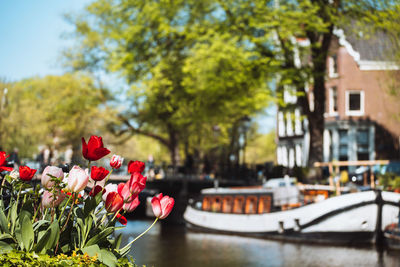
90 205
38 224
108 258
117 242
13 216
100 236
5 236
40 246
27 234
3 222
5 246
49 239
92 250
54 235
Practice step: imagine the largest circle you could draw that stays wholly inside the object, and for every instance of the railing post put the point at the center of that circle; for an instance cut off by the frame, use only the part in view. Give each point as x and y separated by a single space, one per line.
378 227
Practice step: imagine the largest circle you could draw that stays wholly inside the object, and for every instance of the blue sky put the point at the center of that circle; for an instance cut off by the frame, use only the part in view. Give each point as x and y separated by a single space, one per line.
31 41
31 36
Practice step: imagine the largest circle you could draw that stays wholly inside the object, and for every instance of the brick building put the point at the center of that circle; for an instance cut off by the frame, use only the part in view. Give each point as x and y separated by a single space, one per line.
362 118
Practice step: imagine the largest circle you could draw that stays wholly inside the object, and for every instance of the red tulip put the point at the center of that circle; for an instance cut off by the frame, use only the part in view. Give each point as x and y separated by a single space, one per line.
162 206
135 166
3 162
116 161
129 207
94 149
98 173
122 219
26 173
114 202
97 189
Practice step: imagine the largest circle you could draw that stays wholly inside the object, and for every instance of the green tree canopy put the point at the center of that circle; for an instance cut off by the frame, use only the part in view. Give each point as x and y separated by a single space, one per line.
186 75
55 111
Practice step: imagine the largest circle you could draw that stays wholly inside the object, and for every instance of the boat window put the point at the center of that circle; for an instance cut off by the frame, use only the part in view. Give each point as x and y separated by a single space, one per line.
206 203
264 205
216 204
227 204
251 205
238 205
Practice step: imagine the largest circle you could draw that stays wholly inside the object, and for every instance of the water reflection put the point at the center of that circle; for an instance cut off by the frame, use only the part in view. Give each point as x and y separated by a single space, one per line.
171 245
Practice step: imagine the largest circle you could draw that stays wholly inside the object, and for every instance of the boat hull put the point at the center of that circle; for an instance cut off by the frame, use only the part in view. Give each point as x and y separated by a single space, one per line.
348 219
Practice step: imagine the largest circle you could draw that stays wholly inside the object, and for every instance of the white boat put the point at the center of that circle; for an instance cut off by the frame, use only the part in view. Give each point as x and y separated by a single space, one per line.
351 218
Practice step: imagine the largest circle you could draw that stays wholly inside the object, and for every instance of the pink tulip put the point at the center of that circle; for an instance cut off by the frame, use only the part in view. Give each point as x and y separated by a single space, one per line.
114 202
123 190
108 189
162 206
50 200
77 179
136 183
48 174
129 207
116 161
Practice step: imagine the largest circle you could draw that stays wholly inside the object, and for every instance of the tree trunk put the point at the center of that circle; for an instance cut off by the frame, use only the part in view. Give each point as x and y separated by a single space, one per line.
174 149
316 121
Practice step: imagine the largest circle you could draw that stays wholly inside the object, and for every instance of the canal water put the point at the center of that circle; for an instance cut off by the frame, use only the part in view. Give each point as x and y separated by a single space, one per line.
174 246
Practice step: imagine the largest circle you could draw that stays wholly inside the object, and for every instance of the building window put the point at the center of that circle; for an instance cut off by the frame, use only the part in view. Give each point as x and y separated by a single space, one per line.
281 124
354 103
343 145
333 66
298 155
363 144
333 104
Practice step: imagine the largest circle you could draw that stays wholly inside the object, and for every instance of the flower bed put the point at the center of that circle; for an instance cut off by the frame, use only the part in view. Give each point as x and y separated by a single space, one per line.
59 223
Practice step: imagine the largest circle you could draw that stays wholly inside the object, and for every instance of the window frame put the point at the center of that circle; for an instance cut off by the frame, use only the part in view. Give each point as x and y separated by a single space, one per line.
362 103
331 101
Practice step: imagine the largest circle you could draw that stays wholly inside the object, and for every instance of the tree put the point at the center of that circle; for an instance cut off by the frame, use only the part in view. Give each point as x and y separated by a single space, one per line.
282 22
186 75
55 111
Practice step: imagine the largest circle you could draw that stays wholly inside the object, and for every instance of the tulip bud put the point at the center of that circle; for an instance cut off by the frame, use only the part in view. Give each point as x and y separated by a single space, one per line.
97 189
26 173
122 219
98 173
50 200
162 206
114 202
135 166
116 161
77 179
50 172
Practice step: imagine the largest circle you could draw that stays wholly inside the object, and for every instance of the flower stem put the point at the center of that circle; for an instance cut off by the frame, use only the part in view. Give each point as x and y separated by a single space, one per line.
108 177
62 212
69 214
139 236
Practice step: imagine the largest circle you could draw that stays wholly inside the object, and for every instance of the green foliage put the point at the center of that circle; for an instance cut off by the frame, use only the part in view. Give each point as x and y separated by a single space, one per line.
187 74
55 111
20 258
74 227
389 181
261 148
